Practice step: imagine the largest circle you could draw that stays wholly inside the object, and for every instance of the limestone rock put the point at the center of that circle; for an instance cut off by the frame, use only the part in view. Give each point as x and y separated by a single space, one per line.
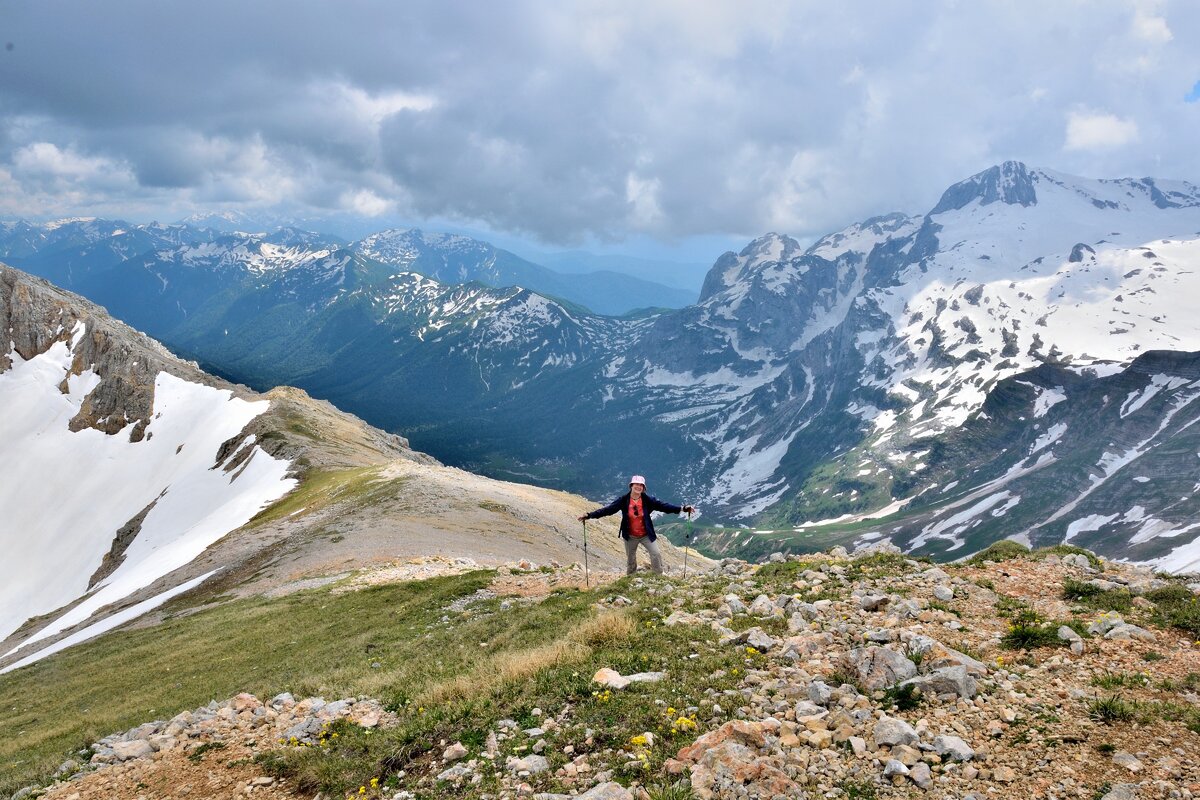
891 731
138 748
946 680
880 667
954 747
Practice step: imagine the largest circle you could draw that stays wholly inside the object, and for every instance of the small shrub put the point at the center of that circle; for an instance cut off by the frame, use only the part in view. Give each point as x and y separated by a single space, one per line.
1003 550
680 790
985 584
842 676
1106 748
858 790
1007 606
904 698
197 755
1111 709
1026 632
938 605
1150 655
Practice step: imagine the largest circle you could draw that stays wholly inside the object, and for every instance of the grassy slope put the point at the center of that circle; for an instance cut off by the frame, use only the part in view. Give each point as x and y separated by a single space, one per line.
316 642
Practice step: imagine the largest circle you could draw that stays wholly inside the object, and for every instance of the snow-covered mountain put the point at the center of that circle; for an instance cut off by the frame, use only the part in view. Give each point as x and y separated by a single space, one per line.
120 465
806 385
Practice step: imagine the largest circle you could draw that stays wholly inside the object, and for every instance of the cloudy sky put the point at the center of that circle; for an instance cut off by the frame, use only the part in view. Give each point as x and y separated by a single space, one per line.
657 127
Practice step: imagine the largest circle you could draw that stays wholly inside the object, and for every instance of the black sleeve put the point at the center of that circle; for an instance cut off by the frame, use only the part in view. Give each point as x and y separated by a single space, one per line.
658 505
607 511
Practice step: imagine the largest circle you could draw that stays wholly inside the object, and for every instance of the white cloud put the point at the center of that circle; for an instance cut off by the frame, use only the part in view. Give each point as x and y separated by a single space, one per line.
1149 26
367 203
1098 131
642 195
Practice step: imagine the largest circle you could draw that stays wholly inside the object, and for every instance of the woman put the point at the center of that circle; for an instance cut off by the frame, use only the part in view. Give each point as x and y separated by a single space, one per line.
636 526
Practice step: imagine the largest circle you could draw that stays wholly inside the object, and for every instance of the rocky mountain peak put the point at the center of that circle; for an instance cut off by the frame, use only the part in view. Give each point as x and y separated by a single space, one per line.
1011 182
730 268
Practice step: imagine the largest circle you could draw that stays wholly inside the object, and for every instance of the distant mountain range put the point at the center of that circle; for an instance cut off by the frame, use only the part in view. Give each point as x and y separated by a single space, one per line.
884 370
76 252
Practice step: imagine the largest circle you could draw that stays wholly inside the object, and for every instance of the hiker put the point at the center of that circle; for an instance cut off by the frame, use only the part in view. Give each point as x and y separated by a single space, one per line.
636 526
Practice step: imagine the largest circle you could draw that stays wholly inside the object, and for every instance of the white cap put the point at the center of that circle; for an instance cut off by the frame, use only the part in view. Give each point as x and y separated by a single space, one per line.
637 479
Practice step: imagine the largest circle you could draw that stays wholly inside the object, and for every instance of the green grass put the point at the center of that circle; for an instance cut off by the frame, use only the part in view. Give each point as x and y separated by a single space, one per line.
878 565
320 489
1121 680
1176 606
1092 596
784 570
1003 550
1111 709
1027 632
308 643
435 676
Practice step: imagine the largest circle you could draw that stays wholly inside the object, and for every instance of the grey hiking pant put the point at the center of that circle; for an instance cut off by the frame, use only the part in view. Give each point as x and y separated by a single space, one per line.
631 546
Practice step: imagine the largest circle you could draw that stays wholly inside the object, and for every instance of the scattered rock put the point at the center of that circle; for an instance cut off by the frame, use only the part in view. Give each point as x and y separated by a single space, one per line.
455 752
891 731
1127 760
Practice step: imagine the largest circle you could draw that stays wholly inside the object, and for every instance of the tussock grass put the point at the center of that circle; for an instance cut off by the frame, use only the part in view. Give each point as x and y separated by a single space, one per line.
1066 550
606 628
1176 606
1003 550
1092 596
505 670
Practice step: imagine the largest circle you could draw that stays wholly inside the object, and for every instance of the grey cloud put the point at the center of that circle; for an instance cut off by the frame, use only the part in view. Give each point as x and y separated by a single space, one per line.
580 120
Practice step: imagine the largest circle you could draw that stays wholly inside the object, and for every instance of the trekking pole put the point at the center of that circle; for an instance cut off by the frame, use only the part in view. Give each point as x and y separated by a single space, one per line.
686 543
587 578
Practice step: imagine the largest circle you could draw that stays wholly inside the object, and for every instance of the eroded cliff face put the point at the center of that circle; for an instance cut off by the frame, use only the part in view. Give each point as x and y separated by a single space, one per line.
36 315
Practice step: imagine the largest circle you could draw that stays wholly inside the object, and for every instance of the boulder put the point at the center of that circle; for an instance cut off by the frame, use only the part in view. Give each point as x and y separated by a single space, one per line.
1122 791
879 667
921 775
762 606
952 747
455 774
615 680
606 791
945 680
138 748
1105 623
534 764
455 752
1127 760
1127 631
943 593
891 731
873 602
